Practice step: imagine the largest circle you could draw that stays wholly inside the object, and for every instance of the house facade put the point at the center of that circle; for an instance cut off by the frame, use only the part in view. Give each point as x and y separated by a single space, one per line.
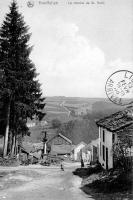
106 140
78 152
86 154
109 129
94 150
59 145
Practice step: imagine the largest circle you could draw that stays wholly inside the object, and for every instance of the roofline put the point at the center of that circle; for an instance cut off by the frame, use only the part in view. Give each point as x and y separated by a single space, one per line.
125 125
24 149
113 114
64 137
82 142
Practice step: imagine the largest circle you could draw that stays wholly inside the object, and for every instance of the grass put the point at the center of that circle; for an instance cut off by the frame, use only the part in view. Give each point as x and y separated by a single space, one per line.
114 183
102 185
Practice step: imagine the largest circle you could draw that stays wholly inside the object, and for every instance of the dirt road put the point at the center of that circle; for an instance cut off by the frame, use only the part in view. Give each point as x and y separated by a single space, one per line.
39 183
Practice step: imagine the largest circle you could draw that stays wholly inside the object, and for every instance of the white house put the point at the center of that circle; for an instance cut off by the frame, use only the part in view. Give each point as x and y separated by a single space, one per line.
77 151
86 153
94 150
109 127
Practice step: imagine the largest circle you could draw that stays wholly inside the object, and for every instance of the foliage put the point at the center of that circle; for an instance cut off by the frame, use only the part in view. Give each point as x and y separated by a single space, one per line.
121 148
109 183
19 88
79 130
85 172
9 161
56 123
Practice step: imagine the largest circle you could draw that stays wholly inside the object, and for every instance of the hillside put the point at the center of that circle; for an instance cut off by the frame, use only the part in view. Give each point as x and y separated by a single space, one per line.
80 130
77 115
69 108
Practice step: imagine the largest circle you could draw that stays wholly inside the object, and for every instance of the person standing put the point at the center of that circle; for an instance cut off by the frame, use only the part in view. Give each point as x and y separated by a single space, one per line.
62 167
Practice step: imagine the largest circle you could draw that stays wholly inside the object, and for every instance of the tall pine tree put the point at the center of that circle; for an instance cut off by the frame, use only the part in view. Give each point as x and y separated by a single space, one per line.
20 91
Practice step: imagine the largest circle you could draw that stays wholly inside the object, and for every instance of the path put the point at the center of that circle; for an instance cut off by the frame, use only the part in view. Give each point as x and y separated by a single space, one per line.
53 184
63 105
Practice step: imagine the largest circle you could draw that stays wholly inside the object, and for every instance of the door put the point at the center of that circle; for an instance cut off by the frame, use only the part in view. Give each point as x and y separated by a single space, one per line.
106 158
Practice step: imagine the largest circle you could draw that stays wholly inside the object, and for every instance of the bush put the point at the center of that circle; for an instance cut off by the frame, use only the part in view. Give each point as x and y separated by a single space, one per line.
9 162
114 182
83 172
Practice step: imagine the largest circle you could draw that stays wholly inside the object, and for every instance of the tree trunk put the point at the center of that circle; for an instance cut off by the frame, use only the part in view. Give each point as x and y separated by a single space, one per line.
6 132
45 148
13 145
10 142
16 147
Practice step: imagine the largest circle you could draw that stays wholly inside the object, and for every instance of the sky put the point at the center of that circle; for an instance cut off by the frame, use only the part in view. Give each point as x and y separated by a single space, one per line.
77 47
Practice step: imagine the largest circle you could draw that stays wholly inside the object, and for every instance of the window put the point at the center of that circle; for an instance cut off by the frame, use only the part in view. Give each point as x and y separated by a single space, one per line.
103 136
113 137
100 149
103 152
100 132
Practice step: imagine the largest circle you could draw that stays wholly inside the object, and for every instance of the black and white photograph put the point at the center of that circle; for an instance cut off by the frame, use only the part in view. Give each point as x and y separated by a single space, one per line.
66 99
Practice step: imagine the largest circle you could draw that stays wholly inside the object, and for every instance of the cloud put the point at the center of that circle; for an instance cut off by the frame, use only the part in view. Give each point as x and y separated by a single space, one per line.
118 64
68 63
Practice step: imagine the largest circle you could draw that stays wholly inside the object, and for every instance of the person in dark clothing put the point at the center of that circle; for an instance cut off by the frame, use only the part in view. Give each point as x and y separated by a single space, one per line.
62 167
82 163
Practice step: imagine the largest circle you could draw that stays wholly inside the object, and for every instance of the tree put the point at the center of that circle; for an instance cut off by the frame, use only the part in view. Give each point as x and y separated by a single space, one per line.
56 123
20 91
122 147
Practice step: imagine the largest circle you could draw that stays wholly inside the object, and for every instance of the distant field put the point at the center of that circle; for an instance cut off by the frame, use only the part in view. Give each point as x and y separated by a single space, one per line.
61 107
55 109
63 117
53 103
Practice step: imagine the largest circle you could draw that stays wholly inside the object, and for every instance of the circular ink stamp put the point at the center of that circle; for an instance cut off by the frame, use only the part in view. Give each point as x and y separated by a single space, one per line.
119 87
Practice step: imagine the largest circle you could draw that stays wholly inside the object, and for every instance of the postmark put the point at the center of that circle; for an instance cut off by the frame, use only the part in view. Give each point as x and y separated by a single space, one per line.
119 87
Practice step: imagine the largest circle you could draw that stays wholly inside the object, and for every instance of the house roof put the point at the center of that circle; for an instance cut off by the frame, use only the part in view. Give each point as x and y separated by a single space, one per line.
80 144
95 142
117 120
36 155
27 147
25 150
65 138
59 134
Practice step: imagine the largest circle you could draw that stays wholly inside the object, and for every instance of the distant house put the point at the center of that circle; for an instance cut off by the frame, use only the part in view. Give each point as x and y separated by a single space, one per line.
86 154
94 150
109 128
77 152
59 145
24 154
27 153
38 148
35 157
